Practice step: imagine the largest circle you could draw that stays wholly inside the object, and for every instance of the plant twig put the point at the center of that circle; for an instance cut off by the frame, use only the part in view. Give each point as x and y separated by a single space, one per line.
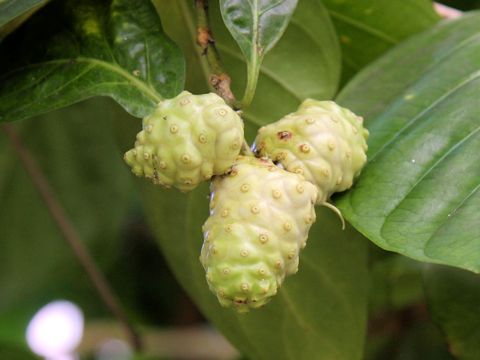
219 79
71 235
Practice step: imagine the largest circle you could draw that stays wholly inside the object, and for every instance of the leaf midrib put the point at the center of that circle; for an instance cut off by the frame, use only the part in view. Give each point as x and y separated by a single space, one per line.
147 89
142 86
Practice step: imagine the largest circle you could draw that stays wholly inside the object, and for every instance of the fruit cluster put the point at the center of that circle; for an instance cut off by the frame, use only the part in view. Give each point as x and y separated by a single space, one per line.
261 208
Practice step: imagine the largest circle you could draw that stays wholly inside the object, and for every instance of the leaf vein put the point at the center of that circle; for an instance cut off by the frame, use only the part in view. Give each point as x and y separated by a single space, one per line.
429 108
430 169
452 213
361 26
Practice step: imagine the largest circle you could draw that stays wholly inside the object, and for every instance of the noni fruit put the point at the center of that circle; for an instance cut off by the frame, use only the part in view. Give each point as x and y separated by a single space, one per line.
187 140
322 141
259 220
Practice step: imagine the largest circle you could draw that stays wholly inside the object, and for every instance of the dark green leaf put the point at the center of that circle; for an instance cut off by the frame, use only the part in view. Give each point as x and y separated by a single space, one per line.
14 12
15 353
256 26
454 297
12 9
92 183
304 63
115 49
368 28
419 194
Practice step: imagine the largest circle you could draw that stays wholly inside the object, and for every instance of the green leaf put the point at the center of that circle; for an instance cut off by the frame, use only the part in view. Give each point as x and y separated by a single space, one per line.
90 180
304 63
419 194
256 26
395 283
15 353
12 9
368 28
14 12
319 313
453 296
112 48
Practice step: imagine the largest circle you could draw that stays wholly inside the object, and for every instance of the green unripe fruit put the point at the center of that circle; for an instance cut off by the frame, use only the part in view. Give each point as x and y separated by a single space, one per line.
187 140
259 220
322 141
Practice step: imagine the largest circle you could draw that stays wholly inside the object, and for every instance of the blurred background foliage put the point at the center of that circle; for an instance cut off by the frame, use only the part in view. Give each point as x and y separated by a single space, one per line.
79 150
464 5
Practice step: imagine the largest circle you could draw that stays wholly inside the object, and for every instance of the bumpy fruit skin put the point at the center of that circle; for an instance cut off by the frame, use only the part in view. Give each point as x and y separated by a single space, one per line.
186 140
259 220
322 141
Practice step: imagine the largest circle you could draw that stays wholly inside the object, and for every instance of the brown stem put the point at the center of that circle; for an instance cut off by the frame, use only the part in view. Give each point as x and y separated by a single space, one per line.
70 234
219 79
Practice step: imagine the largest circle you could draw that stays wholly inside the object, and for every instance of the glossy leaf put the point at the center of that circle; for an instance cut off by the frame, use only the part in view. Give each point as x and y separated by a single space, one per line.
453 296
304 63
90 180
368 28
115 49
256 26
11 9
14 12
419 194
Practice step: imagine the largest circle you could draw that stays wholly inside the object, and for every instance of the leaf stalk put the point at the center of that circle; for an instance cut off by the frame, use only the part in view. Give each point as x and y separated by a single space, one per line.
252 80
